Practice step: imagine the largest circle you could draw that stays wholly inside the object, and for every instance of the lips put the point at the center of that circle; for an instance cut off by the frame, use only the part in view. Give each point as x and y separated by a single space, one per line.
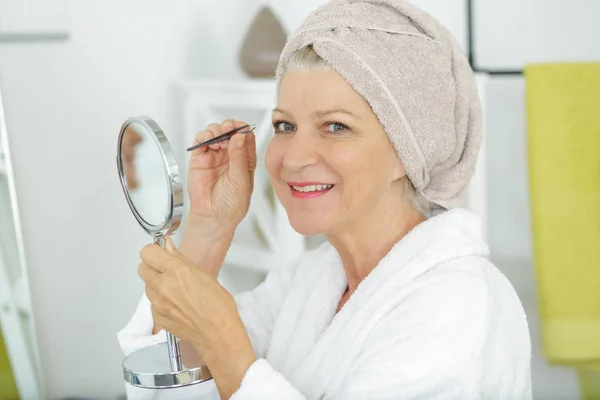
309 189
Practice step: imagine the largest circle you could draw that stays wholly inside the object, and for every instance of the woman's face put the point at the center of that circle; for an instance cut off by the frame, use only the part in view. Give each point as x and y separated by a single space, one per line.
330 161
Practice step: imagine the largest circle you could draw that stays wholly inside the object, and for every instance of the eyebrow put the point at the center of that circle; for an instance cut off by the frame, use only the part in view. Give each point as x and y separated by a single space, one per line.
319 114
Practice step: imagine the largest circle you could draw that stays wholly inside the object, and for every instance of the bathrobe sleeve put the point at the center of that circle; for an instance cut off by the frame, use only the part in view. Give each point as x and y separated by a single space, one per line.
258 309
427 347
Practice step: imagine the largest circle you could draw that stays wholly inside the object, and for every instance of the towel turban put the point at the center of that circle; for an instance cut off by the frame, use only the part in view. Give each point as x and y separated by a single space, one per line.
416 79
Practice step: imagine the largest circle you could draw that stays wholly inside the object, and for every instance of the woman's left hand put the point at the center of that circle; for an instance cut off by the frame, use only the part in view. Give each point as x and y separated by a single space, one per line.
188 302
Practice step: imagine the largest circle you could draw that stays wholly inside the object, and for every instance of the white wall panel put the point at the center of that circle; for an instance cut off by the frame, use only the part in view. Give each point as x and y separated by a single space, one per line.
508 186
451 13
512 33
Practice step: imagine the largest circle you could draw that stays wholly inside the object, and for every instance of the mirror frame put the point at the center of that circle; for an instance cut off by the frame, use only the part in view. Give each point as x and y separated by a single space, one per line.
172 219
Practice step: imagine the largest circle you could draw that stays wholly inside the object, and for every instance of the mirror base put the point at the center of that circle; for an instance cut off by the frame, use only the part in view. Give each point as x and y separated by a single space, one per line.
150 368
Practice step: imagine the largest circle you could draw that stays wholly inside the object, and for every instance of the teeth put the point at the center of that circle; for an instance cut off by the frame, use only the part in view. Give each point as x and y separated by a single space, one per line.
312 188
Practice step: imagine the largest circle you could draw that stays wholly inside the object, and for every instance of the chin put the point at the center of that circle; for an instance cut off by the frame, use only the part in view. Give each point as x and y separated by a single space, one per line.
307 226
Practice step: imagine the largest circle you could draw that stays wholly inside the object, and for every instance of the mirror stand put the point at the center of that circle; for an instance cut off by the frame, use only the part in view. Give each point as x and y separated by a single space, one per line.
153 188
150 368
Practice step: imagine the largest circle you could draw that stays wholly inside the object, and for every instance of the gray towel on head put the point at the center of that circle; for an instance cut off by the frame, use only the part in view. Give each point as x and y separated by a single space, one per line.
416 78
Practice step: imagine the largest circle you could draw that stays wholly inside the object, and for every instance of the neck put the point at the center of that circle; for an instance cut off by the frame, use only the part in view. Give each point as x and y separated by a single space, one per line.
362 243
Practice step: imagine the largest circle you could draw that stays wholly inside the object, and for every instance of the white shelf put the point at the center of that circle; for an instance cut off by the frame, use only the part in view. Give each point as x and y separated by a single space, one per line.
34 17
33 37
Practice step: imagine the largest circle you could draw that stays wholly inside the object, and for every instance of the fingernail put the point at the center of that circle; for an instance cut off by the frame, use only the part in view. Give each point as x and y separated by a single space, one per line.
241 140
228 124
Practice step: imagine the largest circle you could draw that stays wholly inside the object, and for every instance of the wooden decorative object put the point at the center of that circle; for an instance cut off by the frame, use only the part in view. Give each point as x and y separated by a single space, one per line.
262 45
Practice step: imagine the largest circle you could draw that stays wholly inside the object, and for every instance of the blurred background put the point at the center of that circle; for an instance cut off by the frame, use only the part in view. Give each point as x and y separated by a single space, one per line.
71 72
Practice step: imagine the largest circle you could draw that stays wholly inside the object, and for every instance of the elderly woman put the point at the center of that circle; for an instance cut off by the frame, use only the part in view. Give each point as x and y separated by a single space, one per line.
376 134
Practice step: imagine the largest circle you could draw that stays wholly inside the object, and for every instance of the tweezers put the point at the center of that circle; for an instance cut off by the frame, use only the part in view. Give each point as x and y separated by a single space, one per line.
223 137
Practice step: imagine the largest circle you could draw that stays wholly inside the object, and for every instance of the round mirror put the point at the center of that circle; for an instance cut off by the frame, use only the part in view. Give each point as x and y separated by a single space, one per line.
145 174
149 176
153 189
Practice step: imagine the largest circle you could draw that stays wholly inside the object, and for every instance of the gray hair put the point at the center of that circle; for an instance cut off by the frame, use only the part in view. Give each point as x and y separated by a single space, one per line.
306 59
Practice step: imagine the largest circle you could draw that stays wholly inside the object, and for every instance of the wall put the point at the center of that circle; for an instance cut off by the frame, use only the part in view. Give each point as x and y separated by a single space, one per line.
511 33
66 101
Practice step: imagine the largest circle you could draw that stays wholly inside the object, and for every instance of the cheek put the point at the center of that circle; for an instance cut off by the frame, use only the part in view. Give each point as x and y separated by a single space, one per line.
274 163
348 161
274 158
363 171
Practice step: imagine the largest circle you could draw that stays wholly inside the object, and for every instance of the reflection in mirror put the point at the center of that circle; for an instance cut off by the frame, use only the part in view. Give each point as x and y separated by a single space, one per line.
19 377
147 181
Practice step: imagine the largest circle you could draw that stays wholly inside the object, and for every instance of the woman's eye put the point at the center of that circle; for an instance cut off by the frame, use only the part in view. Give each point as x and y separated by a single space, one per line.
283 127
336 127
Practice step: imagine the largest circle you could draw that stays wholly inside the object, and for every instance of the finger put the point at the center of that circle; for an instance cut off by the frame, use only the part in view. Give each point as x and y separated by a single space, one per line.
171 320
157 316
149 275
152 295
217 130
213 130
223 145
226 126
251 151
229 125
210 132
239 158
251 157
159 320
199 138
156 257
228 122
238 163
172 249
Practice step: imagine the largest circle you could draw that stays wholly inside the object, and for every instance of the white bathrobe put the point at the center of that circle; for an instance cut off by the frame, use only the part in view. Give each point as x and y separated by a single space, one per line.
434 320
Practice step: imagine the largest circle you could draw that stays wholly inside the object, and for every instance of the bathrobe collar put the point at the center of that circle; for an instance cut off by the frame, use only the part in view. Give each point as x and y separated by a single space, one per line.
314 346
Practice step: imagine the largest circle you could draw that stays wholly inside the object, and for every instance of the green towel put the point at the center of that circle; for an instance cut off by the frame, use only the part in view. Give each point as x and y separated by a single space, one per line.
589 380
8 387
563 140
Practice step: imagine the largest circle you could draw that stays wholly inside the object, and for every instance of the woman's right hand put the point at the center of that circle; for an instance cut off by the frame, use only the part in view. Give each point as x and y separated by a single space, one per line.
220 183
221 176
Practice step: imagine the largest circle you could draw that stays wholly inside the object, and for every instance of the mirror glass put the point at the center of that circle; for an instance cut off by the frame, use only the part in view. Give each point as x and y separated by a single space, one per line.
145 174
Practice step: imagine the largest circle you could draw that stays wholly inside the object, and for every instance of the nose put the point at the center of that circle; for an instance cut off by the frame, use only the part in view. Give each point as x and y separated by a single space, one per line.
301 151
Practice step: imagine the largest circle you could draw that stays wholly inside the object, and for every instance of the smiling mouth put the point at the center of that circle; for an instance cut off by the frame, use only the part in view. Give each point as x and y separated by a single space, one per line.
311 188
